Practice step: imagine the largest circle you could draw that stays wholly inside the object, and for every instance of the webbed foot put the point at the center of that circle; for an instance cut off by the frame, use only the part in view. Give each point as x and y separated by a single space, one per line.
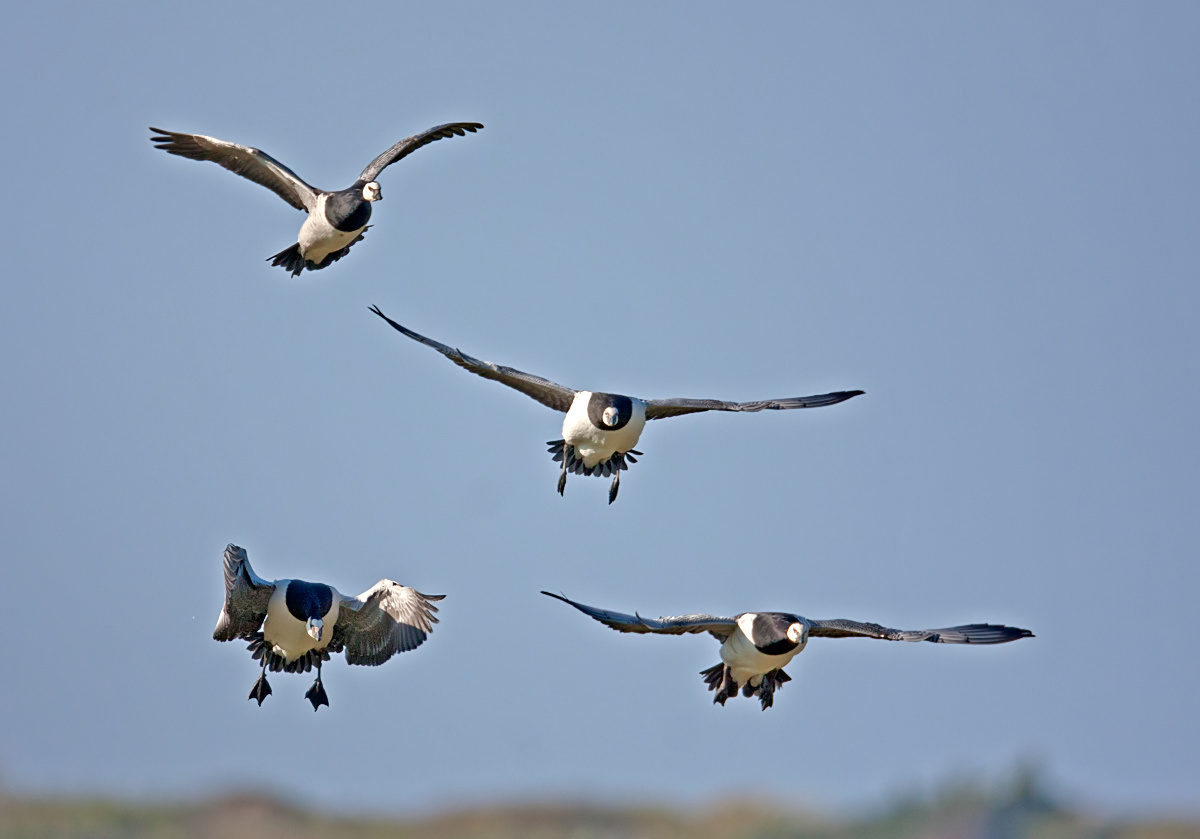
261 689
316 695
612 490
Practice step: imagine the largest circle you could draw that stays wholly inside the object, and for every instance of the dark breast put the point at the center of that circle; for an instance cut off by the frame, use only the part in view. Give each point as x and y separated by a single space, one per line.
308 600
600 401
347 210
769 633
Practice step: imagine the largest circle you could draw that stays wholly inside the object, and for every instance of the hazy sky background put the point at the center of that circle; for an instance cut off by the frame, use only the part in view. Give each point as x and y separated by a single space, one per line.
987 217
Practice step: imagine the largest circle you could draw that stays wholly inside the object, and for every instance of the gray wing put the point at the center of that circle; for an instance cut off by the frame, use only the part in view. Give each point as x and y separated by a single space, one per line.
410 144
386 619
543 390
974 633
248 162
720 628
246 598
660 408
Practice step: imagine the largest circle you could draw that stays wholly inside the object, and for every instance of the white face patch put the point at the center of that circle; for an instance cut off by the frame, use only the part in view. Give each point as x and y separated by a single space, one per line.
796 633
315 626
372 192
610 416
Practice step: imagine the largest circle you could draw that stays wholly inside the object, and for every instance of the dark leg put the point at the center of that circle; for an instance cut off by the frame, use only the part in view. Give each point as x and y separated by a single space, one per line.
261 689
766 691
719 678
771 683
616 485
316 693
728 689
562 479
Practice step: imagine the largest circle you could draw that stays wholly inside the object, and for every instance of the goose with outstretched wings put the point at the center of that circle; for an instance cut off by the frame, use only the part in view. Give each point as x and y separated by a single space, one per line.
756 646
600 430
336 220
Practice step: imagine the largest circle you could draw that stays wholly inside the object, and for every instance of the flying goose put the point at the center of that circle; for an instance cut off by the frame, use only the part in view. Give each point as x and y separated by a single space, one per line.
336 220
756 646
600 430
293 625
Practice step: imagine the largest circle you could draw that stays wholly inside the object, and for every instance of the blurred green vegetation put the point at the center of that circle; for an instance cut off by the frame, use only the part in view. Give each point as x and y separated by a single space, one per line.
1020 809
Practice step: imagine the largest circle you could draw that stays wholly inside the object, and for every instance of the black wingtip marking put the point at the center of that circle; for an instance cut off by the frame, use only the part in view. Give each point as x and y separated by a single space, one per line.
393 324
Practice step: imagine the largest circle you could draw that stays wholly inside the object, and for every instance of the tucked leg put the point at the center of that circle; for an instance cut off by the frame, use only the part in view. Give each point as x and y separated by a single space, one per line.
316 693
720 678
771 683
728 689
766 691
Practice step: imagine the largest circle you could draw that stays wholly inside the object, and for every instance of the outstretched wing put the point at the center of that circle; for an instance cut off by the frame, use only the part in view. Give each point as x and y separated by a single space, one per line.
974 633
721 628
248 162
660 408
410 144
543 390
386 619
246 598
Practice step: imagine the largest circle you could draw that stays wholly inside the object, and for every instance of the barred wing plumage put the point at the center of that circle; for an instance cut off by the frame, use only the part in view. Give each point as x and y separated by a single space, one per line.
720 628
550 394
246 598
386 619
661 408
974 633
251 163
409 145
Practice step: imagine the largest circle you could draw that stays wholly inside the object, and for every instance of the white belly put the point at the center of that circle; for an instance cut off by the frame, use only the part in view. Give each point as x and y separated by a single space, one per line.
318 238
593 444
747 663
290 636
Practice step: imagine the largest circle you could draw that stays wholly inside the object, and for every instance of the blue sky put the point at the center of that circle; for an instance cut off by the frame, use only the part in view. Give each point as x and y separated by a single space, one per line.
985 217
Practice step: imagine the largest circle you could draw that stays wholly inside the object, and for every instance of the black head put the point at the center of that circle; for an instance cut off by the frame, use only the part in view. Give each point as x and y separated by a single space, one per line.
306 601
622 407
773 634
347 210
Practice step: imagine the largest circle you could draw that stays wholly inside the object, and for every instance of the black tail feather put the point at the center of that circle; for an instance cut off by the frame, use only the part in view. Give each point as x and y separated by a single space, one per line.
289 259
260 650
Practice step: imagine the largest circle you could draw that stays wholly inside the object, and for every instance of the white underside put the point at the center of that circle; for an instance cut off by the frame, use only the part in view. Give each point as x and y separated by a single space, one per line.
290 636
318 238
594 445
747 663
